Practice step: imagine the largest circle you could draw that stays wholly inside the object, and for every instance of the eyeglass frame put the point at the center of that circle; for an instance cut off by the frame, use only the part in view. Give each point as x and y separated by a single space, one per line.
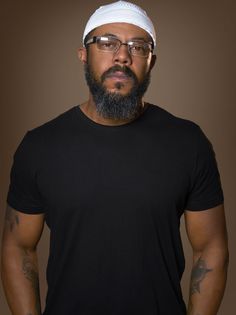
94 40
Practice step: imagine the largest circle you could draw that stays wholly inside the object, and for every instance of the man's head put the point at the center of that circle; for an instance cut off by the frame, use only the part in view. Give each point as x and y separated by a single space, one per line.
118 40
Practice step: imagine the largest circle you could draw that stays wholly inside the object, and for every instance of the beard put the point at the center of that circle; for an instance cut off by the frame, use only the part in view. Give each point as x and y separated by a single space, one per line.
114 105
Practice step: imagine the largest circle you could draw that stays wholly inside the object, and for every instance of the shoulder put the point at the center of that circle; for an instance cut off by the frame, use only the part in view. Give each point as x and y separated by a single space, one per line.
174 126
60 122
52 129
35 141
165 117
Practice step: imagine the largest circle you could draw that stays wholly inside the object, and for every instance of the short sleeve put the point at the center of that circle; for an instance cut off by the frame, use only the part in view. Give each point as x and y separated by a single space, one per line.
205 188
23 193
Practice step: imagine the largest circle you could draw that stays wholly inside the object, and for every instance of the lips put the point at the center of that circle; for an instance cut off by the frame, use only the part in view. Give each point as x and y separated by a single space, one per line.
118 75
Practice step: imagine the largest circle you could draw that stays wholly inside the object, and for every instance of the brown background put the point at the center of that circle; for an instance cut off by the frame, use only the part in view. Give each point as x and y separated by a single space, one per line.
194 78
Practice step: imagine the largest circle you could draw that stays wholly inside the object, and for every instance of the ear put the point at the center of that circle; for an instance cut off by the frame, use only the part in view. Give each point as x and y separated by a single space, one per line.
82 54
153 61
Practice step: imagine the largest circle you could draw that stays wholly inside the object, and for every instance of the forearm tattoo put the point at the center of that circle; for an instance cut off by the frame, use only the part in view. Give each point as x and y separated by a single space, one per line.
28 266
30 271
199 272
11 218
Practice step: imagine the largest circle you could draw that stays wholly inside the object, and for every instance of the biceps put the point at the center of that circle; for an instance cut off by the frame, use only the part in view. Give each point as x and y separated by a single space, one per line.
206 228
22 229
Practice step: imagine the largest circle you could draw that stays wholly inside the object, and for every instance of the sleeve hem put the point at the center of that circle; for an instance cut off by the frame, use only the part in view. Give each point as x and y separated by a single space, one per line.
24 209
205 206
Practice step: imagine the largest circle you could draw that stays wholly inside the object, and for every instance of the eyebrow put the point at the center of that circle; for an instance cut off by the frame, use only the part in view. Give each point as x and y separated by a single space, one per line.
133 38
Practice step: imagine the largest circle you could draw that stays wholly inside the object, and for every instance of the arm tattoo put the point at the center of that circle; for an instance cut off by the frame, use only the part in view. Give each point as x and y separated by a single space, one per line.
31 273
199 272
11 218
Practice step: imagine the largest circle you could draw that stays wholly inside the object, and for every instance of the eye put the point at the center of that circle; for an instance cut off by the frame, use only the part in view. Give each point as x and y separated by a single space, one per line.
107 44
137 47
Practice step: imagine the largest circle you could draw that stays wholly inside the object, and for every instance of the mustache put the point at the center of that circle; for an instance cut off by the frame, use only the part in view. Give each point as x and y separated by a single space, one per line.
126 70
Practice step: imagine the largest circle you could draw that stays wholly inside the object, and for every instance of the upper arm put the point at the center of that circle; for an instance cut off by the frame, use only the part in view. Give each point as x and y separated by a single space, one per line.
23 230
207 229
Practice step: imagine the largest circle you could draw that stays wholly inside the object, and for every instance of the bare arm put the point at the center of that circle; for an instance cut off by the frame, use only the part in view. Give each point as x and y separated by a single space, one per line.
19 261
207 234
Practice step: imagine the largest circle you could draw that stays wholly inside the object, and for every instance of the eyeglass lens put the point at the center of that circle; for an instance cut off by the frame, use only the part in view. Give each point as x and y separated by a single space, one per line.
111 44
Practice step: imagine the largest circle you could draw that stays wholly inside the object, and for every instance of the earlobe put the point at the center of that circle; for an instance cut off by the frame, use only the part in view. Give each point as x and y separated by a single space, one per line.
153 61
82 54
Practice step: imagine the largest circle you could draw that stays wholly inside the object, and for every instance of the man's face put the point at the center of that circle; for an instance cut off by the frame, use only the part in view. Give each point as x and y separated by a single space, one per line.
117 81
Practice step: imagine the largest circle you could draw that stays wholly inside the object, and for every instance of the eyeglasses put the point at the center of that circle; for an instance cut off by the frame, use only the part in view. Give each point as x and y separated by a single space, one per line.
112 44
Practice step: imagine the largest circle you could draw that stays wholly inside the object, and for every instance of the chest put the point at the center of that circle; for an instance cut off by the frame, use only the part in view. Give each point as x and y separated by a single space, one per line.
135 171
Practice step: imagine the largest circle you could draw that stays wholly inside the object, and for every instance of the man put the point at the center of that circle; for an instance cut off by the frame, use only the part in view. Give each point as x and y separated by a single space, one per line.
112 178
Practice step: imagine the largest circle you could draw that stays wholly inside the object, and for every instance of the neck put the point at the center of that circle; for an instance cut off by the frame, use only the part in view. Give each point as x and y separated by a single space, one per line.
89 109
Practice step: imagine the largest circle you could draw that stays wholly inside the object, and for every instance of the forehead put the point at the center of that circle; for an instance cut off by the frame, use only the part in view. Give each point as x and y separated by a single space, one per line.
122 30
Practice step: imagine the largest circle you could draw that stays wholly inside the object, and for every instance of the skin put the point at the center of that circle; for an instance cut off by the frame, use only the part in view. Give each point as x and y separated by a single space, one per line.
19 261
207 234
206 229
102 61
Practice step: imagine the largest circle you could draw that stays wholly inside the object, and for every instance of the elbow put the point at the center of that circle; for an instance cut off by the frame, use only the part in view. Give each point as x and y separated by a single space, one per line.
216 256
219 259
226 259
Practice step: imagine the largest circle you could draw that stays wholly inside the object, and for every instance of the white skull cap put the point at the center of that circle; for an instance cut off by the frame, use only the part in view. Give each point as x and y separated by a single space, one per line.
120 12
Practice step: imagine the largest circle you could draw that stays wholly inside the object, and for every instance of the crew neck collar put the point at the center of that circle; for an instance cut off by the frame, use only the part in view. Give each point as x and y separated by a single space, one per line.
99 125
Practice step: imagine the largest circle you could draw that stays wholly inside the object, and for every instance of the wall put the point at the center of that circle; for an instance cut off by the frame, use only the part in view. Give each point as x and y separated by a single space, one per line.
194 78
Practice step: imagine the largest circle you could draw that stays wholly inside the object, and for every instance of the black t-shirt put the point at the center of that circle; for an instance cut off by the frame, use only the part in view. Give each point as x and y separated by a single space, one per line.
113 198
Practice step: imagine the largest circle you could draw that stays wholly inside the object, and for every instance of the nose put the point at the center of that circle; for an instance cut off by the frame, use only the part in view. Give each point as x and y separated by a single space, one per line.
122 55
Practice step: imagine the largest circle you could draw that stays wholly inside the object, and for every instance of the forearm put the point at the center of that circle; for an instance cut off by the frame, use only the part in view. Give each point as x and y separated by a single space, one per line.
208 281
20 280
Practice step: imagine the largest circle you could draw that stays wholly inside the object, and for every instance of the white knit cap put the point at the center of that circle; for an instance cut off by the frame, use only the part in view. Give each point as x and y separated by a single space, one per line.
120 12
